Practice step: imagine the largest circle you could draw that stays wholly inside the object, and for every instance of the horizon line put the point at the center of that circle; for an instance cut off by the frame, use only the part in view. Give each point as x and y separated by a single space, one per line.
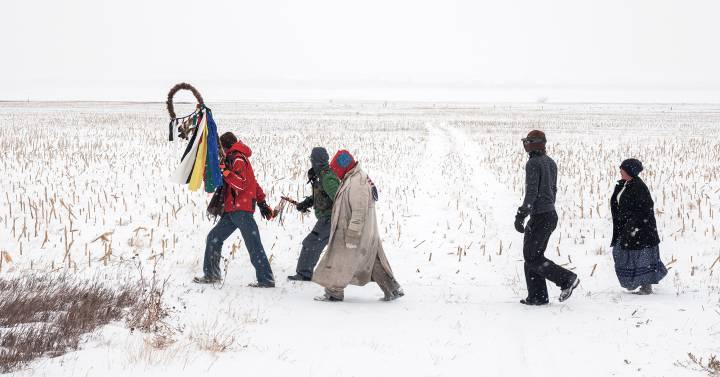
357 101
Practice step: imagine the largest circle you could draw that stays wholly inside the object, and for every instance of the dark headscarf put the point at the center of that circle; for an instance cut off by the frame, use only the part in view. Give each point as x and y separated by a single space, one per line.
632 166
319 159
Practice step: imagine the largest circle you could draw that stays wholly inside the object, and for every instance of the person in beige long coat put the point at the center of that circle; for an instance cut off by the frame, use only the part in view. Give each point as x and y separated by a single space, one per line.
355 254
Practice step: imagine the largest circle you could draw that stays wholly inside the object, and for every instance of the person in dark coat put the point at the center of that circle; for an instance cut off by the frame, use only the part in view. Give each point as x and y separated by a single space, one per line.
635 239
324 187
241 194
539 204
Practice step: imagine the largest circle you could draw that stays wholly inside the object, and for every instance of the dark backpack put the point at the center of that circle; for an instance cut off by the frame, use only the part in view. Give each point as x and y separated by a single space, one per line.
373 190
216 207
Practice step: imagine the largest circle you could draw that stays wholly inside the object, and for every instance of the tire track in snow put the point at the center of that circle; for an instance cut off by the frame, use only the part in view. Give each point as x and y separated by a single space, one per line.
452 156
430 215
499 202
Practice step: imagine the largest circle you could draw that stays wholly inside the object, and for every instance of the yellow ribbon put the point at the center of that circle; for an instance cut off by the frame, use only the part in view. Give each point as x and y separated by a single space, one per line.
198 172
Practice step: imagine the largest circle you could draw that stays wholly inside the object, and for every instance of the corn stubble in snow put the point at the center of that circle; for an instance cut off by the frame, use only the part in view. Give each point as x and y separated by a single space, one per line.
86 193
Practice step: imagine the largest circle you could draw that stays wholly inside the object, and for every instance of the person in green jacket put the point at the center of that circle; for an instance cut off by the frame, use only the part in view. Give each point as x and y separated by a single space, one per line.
324 187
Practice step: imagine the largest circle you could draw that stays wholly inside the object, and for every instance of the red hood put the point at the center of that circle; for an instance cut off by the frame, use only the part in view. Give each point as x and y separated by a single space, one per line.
241 148
342 163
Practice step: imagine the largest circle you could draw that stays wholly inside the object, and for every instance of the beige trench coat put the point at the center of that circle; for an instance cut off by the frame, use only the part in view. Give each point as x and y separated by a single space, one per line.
353 223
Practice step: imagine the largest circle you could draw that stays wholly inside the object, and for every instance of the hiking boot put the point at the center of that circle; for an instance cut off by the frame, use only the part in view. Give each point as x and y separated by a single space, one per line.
527 301
270 284
327 298
645 290
567 292
298 277
206 280
394 295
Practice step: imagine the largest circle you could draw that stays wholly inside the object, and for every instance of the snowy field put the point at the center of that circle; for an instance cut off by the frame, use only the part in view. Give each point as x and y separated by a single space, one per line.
450 179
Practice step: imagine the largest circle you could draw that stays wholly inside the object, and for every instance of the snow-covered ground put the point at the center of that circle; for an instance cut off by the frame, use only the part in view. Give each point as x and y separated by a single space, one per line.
450 178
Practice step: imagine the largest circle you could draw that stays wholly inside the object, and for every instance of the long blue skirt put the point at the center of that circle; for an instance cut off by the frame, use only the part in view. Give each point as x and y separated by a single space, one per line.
638 267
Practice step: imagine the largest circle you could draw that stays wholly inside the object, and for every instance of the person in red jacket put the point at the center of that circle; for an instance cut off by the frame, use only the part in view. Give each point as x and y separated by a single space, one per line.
241 194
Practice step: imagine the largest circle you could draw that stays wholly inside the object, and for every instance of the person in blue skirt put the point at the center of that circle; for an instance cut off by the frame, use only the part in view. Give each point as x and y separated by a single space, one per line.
635 238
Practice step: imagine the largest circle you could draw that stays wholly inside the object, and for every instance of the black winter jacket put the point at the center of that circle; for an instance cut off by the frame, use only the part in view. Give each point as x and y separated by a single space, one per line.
540 184
634 225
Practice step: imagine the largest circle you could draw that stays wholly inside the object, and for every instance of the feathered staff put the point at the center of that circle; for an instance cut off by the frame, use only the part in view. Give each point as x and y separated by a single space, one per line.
201 159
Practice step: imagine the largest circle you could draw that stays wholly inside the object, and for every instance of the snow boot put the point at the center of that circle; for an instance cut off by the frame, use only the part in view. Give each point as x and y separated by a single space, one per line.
206 280
529 302
327 298
567 292
262 285
394 295
645 290
298 277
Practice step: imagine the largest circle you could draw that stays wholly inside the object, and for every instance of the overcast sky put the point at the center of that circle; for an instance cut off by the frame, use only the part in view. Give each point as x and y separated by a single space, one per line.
235 50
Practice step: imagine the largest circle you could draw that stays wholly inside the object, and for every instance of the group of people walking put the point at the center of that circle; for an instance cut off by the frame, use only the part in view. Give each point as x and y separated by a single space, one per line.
343 198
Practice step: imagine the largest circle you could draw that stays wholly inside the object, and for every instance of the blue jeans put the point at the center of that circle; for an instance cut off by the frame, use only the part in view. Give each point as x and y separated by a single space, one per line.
249 230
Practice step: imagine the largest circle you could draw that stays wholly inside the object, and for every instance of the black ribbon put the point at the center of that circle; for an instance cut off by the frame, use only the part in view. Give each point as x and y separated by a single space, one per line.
170 138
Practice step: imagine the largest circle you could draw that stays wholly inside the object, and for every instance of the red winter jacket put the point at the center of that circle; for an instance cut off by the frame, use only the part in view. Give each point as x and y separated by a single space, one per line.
242 190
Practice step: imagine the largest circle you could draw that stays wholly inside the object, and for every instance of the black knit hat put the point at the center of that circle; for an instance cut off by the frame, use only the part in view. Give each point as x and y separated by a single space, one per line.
319 158
632 166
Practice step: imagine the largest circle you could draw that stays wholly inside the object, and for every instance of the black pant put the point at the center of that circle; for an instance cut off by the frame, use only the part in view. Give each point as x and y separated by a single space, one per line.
537 267
312 247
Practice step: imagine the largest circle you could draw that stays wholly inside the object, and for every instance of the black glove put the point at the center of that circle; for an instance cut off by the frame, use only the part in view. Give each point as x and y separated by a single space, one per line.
522 213
305 205
265 211
311 175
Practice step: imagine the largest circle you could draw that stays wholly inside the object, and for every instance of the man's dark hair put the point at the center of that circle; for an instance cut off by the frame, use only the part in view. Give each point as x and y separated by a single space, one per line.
227 140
